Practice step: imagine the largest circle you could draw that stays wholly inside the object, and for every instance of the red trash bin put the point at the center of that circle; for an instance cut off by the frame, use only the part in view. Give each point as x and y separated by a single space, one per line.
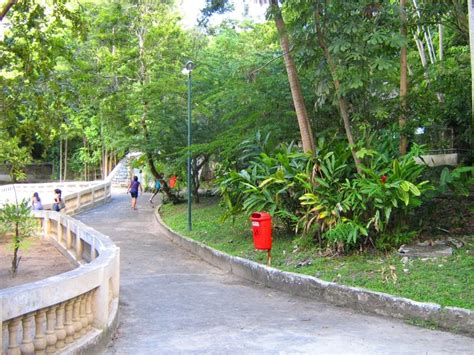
262 230
173 181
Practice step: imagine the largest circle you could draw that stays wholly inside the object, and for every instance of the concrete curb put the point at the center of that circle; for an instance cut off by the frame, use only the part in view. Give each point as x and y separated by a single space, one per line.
454 319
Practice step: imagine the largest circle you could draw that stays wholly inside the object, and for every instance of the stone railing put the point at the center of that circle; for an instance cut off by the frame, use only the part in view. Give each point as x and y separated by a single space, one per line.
72 192
68 313
77 196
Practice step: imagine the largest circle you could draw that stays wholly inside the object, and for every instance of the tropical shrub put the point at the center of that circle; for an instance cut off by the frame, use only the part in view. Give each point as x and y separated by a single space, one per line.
353 211
322 196
459 180
269 183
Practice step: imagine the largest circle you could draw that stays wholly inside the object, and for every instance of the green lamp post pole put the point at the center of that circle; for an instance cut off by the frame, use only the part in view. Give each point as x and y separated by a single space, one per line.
187 71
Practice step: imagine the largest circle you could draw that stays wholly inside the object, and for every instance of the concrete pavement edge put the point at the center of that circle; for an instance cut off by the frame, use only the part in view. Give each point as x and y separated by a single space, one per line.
456 320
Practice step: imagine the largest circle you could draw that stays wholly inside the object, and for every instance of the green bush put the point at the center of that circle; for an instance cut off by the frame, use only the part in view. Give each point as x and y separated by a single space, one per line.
358 209
323 197
458 180
269 183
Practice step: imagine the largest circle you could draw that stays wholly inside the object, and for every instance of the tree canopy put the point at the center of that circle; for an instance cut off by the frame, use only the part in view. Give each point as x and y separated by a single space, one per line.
84 82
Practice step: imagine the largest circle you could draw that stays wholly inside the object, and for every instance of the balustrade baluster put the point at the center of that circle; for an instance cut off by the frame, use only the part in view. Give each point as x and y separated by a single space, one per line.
78 247
90 315
83 316
4 334
76 320
60 231
93 250
47 227
27 347
60 330
68 236
51 338
68 324
13 328
40 340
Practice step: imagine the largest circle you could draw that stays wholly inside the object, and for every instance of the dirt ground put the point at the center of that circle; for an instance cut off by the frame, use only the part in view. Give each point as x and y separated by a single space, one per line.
40 260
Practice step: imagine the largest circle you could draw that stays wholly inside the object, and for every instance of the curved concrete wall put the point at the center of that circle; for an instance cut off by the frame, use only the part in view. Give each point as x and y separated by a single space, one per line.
75 311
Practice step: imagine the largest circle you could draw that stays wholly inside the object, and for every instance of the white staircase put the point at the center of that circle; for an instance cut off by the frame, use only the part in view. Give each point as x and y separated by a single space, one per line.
120 176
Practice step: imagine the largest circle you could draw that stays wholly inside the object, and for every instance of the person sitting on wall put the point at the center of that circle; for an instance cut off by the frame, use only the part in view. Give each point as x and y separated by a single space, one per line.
36 204
58 204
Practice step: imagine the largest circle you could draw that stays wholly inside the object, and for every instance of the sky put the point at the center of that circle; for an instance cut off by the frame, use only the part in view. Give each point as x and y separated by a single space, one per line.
191 11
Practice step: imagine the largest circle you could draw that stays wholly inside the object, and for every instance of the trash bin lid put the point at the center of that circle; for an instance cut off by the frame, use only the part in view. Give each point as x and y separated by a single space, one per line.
260 216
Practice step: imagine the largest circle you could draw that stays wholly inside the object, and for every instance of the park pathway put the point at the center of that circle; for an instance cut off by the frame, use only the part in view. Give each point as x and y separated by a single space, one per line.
173 302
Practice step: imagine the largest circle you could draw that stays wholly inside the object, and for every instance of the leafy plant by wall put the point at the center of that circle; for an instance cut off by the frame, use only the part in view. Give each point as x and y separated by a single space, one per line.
325 197
17 223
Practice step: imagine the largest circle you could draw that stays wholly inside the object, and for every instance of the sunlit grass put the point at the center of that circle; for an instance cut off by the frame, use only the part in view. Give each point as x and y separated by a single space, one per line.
448 281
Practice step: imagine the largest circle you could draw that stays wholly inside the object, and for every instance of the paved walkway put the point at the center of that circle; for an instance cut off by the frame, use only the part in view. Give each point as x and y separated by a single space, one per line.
173 302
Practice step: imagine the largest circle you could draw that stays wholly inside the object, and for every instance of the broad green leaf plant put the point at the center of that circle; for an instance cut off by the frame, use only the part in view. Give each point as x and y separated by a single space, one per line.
322 196
351 211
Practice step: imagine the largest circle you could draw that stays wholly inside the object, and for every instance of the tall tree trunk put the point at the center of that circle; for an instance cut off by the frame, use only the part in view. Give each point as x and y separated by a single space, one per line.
471 47
104 163
402 120
110 160
298 99
65 159
85 162
60 159
426 34
340 98
16 247
421 51
441 41
197 165
195 180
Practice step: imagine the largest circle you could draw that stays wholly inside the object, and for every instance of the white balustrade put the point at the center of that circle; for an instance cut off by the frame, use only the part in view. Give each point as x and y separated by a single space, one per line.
77 196
52 315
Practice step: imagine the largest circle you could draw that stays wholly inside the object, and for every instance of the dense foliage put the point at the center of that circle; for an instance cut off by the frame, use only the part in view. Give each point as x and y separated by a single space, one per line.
84 82
324 197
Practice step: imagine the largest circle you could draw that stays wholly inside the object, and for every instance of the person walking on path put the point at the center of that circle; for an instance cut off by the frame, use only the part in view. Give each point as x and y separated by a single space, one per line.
157 189
133 188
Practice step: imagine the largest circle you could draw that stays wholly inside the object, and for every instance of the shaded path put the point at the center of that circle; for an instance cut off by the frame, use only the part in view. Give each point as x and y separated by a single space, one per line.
173 302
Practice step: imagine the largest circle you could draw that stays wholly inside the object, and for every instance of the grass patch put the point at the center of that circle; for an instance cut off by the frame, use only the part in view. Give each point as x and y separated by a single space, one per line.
448 281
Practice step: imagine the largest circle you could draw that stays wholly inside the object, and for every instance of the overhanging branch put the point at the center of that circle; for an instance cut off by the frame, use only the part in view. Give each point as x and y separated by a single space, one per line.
7 8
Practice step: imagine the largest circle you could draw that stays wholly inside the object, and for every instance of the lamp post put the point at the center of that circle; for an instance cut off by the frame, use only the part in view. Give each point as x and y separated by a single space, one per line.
188 68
